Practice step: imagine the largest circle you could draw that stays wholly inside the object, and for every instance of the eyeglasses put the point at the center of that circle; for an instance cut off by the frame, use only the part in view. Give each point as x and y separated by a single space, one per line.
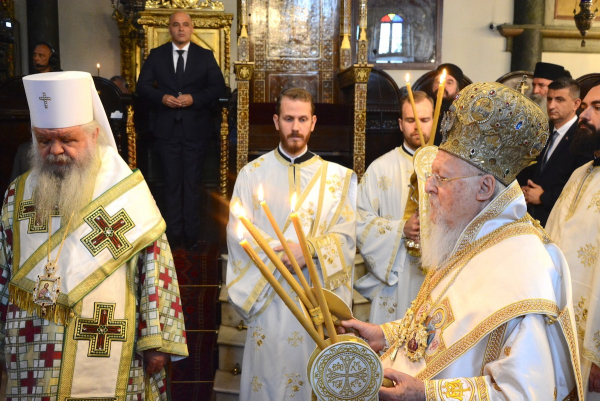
439 181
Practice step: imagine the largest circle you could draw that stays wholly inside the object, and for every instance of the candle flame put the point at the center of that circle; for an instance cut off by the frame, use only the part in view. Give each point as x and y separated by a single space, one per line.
293 202
407 77
238 210
443 76
240 231
261 193
98 65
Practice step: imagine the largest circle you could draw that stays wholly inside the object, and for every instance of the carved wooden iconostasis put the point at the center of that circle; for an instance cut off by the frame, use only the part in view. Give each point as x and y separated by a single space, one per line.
294 43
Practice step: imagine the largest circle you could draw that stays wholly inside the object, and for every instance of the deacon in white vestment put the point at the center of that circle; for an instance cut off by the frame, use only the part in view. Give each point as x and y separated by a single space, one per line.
494 318
382 226
277 347
575 226
90 306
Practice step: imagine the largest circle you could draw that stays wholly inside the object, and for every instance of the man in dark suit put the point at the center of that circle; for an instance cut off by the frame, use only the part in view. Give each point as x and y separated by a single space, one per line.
556 163
181 80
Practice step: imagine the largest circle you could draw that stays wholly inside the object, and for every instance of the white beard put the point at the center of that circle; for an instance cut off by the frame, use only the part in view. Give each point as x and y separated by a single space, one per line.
69 187
440 242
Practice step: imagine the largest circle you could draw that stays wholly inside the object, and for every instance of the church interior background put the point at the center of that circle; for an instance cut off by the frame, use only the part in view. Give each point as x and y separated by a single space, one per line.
352 55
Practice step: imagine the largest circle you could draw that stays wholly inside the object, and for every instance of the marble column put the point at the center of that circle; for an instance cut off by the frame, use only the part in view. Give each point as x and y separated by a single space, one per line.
42 26
527 47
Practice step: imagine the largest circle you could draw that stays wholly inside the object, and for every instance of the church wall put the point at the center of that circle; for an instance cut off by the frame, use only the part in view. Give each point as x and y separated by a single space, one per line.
468 42
89 35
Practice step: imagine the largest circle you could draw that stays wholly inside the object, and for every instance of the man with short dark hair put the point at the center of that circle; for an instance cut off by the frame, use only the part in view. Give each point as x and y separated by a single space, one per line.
188 81
556 163
277 347
121 83
386 220
574 226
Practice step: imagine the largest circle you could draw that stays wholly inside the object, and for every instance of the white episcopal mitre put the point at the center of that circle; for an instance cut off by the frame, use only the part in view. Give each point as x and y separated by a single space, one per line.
65 99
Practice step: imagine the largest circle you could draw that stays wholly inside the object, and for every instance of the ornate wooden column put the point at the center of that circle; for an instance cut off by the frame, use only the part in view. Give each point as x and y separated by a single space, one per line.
243 73
355 79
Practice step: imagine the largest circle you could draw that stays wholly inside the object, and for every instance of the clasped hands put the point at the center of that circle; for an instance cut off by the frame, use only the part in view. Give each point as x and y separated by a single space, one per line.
532 193
406 388
155 361
178 102
412 228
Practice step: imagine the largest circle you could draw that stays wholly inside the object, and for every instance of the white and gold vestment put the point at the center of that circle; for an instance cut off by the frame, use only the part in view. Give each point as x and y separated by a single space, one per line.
277 347
575 226
497 320
118 293
394 277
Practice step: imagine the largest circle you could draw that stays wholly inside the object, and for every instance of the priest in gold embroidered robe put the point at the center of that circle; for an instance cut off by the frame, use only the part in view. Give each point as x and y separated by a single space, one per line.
574 224
90 306
394 276
277 347
494 318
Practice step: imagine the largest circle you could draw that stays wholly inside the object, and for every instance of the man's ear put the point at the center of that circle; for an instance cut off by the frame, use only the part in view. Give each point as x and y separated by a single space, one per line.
314 122
95 134
487 185
276 121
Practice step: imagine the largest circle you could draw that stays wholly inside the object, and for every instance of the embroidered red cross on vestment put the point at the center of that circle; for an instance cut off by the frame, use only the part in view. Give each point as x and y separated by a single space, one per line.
108 232
101 330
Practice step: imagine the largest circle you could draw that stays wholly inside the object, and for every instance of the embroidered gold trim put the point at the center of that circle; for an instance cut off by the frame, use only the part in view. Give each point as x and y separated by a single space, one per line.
494 346
482 389
68 360
586 180
564 319
540 306
92 399
18 197
430 390
491 211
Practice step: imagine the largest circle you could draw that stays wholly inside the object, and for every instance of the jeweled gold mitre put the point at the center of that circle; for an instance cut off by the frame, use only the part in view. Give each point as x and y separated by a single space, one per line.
494 128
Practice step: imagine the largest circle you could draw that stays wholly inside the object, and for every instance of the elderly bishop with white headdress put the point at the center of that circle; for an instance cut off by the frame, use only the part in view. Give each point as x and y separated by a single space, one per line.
494 318
90 306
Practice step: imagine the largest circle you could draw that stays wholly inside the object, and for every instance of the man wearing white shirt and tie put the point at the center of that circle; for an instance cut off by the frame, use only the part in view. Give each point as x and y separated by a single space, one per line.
556 163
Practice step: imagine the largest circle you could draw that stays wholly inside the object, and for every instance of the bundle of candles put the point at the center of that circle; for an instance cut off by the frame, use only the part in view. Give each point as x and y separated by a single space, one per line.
312 301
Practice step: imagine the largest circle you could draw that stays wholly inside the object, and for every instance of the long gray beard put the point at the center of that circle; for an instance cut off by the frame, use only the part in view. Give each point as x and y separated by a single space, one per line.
440 243
69 187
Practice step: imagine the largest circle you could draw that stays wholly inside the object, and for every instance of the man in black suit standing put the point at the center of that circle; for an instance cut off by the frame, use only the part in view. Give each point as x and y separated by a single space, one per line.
556 163
181 80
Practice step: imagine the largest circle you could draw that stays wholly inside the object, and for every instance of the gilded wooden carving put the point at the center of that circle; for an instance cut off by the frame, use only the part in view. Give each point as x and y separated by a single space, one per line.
131 139
243 73
294 42
186 4
224 159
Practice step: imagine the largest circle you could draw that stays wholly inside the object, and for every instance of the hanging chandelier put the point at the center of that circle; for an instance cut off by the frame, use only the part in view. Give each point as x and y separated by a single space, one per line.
585 18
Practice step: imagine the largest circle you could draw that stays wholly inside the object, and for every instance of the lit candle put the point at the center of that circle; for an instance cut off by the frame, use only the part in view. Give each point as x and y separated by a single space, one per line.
272 256
285 297
314 276
438 106
98 66
414 107
362 22
286 248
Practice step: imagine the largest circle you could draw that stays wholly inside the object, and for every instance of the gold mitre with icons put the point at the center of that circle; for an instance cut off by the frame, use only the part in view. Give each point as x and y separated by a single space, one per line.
494 128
